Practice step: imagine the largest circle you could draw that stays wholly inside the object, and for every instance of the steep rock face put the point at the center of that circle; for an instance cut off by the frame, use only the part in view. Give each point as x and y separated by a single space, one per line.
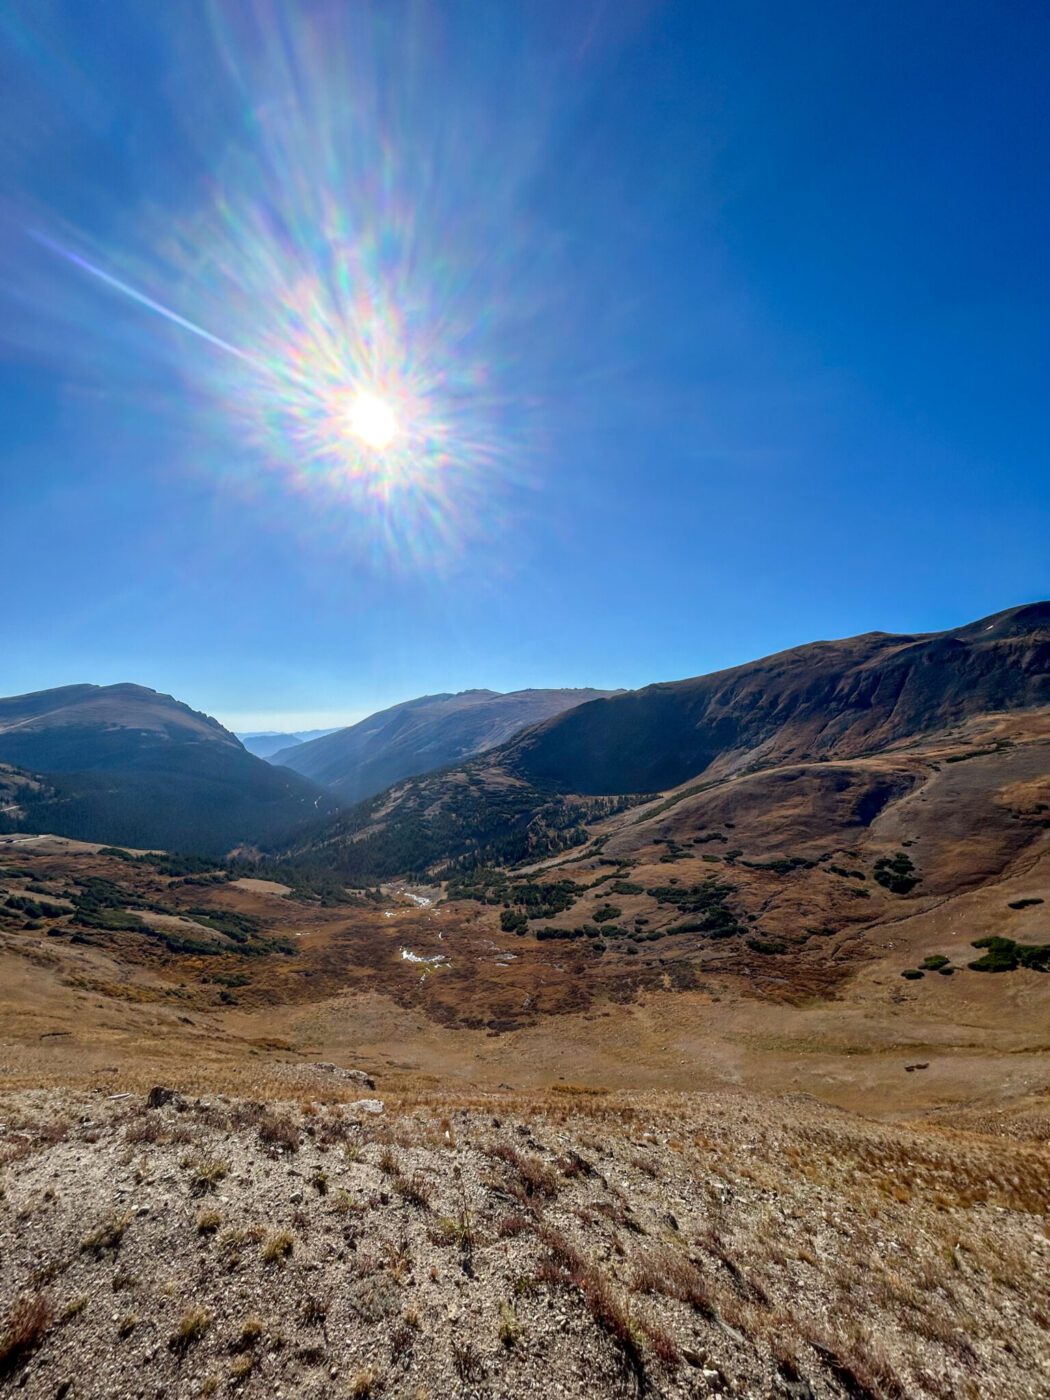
128 765
421 735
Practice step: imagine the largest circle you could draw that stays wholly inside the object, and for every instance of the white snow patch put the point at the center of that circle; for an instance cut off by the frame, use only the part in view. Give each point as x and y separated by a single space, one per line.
434 960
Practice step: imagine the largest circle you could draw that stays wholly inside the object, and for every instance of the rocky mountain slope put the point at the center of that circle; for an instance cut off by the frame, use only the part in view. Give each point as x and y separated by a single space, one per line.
826 702
125 764
421 735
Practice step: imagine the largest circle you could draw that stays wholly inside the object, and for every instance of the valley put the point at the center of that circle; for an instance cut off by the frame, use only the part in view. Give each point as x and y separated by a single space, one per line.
737 1085
755 933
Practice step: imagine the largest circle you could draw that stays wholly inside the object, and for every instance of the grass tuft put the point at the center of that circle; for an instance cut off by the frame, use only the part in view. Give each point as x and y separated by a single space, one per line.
365 1383
193 1324
277 1247
26 1326
106 1237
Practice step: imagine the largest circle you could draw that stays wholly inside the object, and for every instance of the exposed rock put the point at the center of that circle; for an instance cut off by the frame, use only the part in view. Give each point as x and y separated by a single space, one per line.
160 1097
355 1076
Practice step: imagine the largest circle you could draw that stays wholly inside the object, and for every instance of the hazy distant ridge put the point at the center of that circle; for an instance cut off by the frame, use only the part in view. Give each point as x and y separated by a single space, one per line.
420 735
265 743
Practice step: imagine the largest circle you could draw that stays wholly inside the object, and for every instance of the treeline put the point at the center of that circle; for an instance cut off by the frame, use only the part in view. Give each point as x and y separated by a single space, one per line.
309 881
450 825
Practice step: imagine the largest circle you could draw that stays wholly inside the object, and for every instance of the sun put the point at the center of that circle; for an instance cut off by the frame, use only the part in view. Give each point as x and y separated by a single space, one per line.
371 420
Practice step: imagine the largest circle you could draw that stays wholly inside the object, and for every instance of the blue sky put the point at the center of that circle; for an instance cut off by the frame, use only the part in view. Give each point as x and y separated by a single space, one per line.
711 330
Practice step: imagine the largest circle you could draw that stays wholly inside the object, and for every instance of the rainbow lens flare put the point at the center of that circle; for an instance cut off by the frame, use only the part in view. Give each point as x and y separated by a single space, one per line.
331 293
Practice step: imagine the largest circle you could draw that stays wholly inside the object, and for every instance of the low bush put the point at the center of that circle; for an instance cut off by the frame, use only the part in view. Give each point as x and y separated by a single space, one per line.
1004 955
28 1320
767 945
897 873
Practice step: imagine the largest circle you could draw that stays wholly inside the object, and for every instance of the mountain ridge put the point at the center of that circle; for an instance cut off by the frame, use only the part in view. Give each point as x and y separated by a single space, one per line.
827 701
422 734
264 743
129 765
821 662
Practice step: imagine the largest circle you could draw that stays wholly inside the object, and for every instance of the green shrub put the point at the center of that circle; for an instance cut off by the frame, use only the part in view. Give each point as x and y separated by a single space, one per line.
962 757
897 873
783 865
34 908
847 874
1004 955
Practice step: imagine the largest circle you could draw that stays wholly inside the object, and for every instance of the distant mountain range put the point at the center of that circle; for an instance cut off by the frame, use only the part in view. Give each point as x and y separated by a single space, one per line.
825 702
421 735
124 764
483 777
265 743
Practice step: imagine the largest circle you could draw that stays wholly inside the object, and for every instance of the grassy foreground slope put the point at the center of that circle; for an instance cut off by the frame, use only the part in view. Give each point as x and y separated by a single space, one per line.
318 1238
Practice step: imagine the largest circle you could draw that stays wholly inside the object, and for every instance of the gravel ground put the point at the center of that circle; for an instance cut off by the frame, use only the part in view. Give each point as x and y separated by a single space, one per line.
574 1245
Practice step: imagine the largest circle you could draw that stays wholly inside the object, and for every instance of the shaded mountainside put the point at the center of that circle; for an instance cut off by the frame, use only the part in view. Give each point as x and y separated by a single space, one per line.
537 794
125 764
46 728
829 699
421 735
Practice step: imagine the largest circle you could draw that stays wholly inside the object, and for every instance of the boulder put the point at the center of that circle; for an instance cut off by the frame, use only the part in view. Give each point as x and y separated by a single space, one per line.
354 1076
159 1096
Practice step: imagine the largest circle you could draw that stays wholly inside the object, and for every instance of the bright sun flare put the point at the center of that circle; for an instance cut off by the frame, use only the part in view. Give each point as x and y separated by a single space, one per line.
372 420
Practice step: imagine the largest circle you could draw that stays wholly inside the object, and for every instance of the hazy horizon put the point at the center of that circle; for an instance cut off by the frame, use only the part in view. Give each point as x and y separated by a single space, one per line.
261 721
